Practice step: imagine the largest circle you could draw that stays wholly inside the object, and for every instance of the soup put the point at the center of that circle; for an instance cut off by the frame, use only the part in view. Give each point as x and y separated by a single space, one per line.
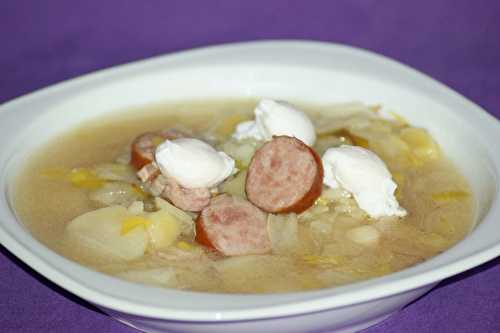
81 196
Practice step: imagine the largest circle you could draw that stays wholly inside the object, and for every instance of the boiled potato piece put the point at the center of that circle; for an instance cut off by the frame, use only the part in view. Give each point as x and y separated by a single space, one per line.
186 221
163 229
99 232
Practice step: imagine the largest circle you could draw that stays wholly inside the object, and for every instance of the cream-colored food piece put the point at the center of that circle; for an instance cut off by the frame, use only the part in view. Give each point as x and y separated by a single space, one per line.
193 163
277 118
363 174
163 230
100 231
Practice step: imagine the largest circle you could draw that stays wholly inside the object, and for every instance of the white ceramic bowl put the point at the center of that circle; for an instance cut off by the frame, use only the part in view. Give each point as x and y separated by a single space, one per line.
305 71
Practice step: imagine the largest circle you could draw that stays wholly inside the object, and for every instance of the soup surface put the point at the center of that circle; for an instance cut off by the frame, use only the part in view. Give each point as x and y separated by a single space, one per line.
332 243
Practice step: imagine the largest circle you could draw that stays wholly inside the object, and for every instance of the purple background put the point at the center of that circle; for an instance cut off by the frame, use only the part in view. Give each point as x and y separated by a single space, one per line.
44 42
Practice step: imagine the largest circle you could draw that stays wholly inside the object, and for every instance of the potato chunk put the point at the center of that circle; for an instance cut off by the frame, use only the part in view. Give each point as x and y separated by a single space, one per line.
99 232
163 230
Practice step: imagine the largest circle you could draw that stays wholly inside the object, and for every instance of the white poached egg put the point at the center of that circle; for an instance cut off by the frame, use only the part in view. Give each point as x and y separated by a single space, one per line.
277 118
193 163
364 175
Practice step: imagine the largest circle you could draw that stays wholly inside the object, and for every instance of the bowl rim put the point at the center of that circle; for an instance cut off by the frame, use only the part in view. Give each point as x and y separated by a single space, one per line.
73 276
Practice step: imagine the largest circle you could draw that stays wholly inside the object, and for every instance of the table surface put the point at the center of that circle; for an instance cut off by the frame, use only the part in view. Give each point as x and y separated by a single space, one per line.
44 42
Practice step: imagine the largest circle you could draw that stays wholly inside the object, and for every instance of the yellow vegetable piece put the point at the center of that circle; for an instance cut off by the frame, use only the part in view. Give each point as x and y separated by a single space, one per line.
184 246
85 178
132 222
420 142
322 260
322 201
449 196
359 141
240 165
79 177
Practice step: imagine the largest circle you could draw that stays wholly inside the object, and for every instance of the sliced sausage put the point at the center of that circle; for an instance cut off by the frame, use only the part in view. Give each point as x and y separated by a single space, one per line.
284 176
233 226
191 199
143 147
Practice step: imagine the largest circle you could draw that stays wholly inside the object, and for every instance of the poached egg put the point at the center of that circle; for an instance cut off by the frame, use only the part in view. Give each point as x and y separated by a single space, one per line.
277 118
364 175
193 163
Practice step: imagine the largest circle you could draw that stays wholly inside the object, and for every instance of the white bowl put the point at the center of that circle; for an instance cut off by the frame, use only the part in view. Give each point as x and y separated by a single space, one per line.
305 71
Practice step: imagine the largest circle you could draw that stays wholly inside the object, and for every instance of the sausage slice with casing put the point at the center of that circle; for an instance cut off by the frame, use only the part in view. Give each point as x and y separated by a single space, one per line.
191 199
143 146
284 176
233 226
142 159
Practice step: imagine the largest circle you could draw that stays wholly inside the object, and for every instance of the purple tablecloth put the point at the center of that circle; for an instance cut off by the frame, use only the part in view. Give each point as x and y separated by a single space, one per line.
44 42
